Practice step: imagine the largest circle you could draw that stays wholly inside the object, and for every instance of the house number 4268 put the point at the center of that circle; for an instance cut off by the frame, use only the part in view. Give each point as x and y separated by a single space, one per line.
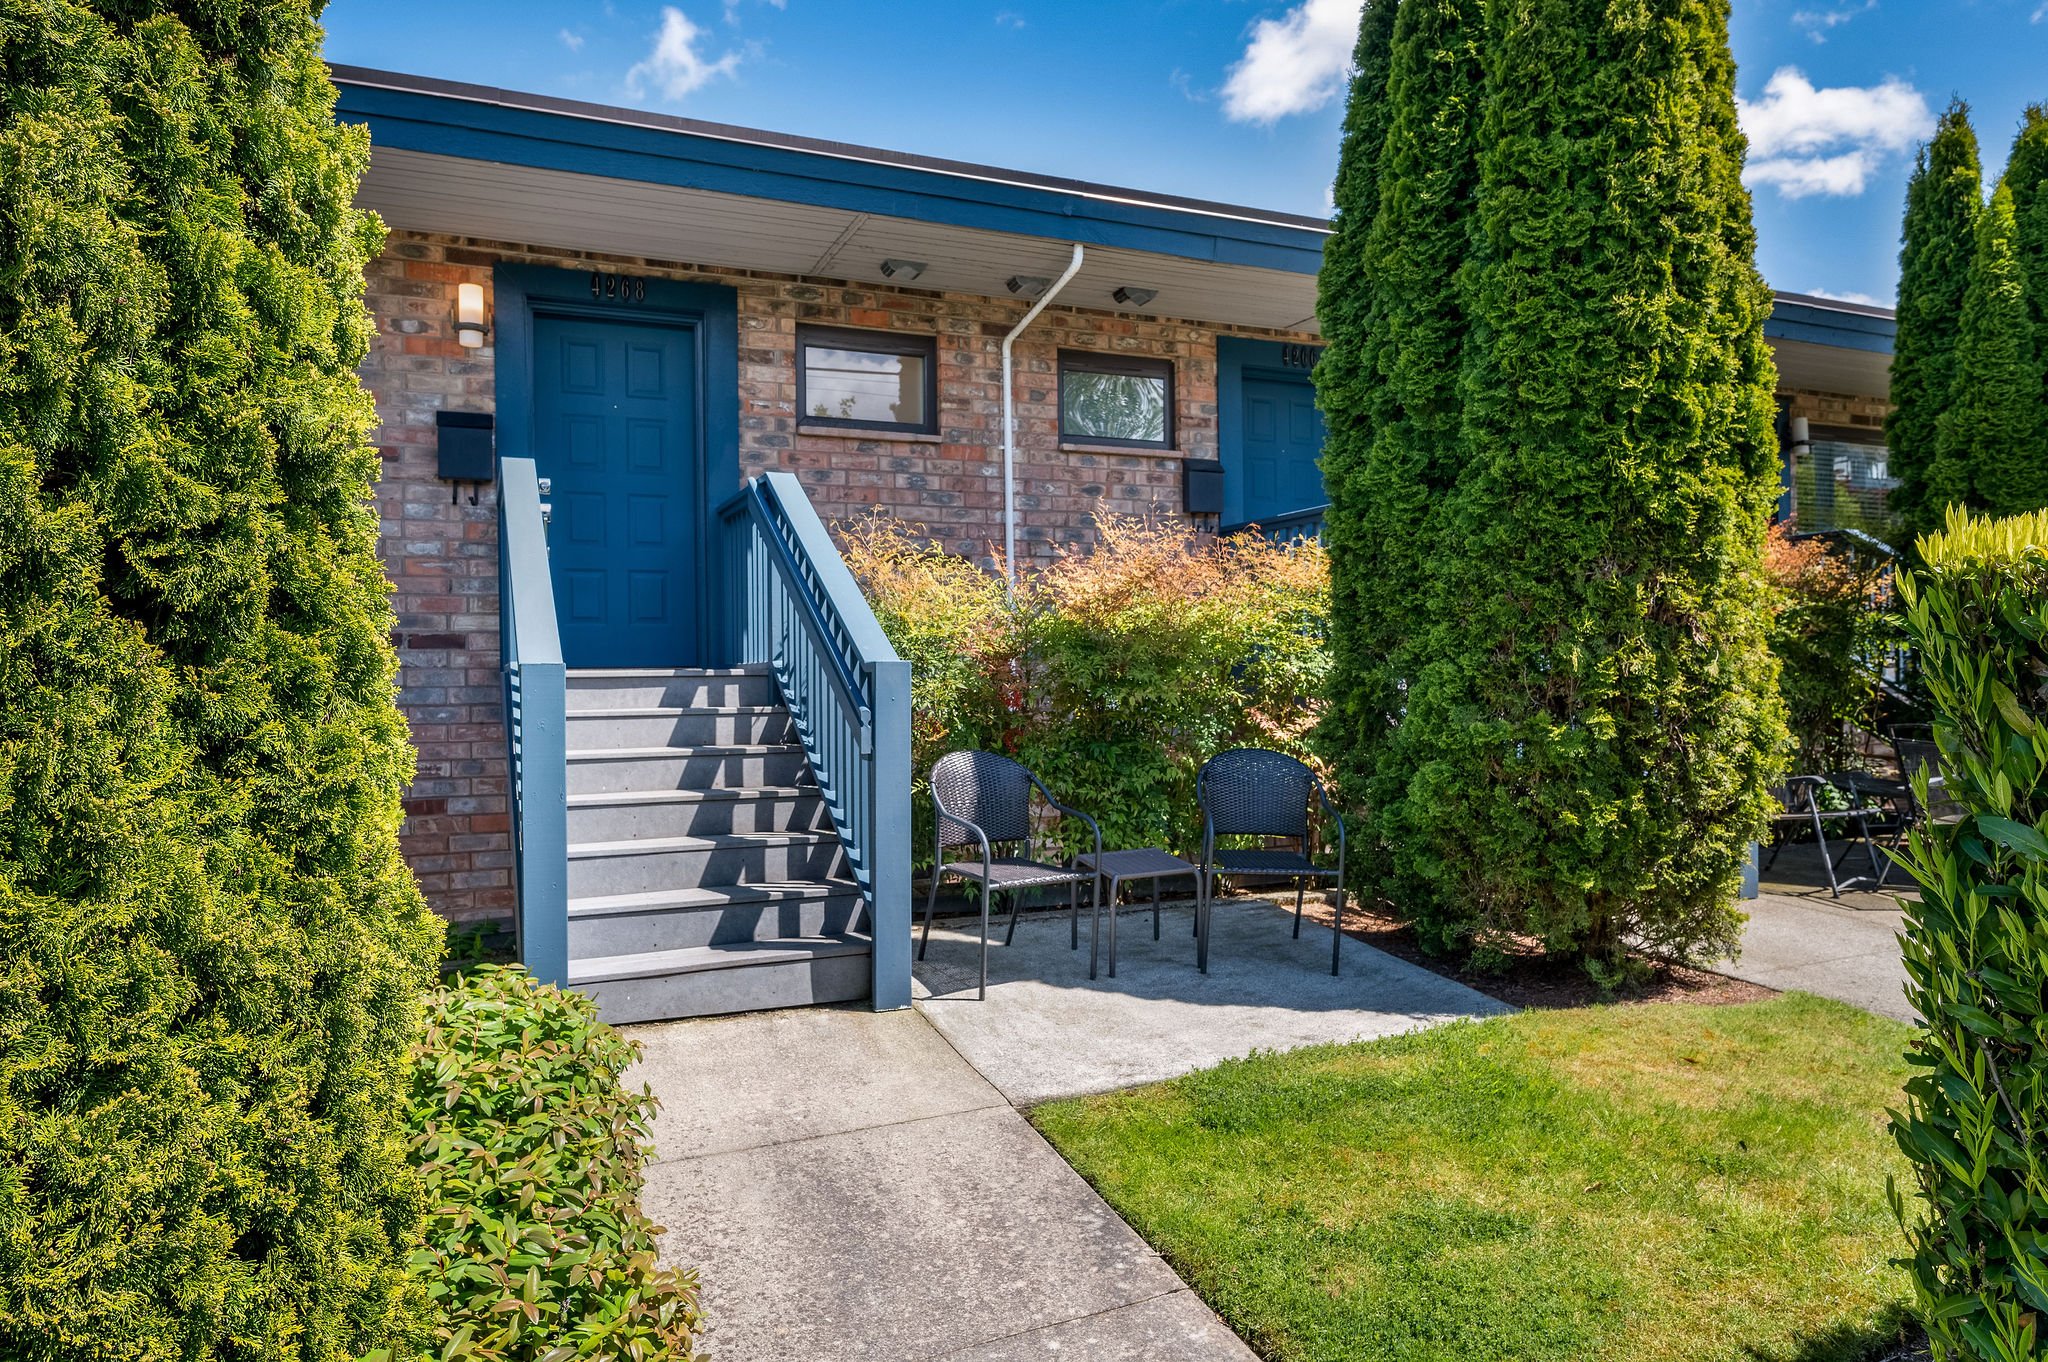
617 288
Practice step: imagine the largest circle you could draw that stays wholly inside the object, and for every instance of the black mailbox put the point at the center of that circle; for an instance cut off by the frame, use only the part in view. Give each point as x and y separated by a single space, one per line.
464 438
1201 486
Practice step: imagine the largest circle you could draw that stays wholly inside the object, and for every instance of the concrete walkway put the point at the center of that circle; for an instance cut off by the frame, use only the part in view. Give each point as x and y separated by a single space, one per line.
848 1186
1801 936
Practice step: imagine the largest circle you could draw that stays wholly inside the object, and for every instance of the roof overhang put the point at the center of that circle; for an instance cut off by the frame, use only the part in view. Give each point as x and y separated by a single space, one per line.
469 160
522 168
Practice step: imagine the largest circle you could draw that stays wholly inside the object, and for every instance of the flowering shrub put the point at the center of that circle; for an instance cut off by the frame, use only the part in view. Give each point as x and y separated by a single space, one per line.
1827 622
1116 671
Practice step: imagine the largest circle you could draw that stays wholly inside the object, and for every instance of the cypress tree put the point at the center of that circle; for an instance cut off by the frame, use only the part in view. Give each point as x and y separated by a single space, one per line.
215 955
2026 174
1986 452
1419 242
1943 201
1598 724
1346 378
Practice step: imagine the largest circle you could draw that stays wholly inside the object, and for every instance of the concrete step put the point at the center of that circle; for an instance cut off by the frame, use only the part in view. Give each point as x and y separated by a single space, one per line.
615 816
669 726
706 767
680 687
705 981
646 864
678 919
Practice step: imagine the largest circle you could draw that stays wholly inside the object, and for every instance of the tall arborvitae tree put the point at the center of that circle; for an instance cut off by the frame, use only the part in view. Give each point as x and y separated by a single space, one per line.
1419 242
1985 440
1943 201
1599 723
214 954
2026 175
1347 376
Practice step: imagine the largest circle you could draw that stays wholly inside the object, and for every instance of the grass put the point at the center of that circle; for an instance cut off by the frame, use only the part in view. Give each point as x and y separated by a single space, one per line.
1648 1183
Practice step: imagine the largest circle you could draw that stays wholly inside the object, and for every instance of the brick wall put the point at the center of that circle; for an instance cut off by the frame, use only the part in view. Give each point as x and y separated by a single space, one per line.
1837 409
442 551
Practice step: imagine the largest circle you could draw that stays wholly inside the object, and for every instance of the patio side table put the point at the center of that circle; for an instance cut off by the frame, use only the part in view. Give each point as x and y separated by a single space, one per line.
1147 863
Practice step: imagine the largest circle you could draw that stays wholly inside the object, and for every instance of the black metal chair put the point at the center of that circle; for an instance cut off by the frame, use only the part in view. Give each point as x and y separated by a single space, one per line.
983 799
1799 800
1251 792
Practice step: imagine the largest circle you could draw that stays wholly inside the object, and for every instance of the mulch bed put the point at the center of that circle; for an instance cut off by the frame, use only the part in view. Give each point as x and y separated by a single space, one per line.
1530 980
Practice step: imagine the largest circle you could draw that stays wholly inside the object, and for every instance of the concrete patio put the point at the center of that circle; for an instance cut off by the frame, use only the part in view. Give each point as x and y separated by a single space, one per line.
850 1186
1800 936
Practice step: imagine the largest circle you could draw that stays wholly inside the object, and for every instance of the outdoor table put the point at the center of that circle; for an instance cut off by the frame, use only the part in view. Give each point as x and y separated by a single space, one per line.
1896 798
1148 863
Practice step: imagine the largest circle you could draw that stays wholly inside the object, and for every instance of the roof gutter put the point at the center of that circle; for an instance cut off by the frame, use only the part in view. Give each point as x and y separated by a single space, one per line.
1010 423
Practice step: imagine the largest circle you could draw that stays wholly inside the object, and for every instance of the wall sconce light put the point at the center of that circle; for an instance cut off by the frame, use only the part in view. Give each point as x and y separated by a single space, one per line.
469 315
1029 285
1135 297
905 269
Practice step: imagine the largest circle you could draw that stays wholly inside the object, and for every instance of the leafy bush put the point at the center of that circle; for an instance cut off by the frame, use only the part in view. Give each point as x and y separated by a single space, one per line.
1828 621
1115 672
215 955
1976 946
530 1149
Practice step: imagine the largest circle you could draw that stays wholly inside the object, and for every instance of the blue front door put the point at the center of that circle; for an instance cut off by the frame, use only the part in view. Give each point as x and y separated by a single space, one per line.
1283 438
615 431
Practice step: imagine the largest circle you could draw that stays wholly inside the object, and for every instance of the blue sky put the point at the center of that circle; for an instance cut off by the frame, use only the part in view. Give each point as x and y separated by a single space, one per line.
1223 99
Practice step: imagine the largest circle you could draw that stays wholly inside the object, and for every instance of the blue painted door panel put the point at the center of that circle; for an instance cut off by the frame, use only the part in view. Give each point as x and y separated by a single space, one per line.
615 431
1283 438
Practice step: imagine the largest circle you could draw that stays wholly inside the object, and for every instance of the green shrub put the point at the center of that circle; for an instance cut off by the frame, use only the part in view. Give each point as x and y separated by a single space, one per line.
1116 671
530 1149
215 956
1828 621
1976 946
1943 200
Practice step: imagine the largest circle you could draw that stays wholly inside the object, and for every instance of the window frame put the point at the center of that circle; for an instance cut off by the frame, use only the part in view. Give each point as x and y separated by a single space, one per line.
925 347
1120 366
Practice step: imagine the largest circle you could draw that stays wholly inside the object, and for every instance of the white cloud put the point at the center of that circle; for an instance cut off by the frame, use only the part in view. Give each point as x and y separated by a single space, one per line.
1846 296
675 67
1805 141
572 41
2040 14
1817 22
1295 63
1009 19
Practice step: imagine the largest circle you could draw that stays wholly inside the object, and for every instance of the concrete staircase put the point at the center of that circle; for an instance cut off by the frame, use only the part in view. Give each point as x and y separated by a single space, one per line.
704 873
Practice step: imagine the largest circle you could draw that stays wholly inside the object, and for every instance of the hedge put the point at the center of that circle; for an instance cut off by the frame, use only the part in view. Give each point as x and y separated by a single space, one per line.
1117 669
1975 1123
530 1149
215 955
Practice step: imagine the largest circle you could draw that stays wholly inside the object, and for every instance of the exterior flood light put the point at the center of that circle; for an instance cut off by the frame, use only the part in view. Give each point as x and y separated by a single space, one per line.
906 269
1029 285
1135 297
469 315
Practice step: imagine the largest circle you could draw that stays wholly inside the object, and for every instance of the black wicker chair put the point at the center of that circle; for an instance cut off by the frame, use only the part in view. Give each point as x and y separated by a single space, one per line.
1251 792
982 799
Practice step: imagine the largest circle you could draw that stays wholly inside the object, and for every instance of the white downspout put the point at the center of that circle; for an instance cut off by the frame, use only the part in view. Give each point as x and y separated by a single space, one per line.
1010 423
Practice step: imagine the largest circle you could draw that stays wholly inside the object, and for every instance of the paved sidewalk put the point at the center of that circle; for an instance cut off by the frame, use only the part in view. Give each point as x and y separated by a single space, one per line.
849 1187
1846 950
1049 1031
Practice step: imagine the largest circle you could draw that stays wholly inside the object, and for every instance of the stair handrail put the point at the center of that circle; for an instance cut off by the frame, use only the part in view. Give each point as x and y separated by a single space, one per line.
536 724
789 602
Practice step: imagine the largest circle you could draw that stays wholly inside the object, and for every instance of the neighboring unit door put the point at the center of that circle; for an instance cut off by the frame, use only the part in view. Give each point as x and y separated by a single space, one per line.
615 431
1283 438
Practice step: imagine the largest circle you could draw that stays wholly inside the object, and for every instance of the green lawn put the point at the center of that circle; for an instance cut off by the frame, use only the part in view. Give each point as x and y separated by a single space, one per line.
1641 1183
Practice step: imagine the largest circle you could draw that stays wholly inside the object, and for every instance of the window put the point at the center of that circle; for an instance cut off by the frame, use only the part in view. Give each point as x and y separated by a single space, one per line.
1843 481
1116 400
866 380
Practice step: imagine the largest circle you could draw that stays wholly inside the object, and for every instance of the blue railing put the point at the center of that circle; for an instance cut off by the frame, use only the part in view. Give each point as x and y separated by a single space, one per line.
535 724
787 600
1283 529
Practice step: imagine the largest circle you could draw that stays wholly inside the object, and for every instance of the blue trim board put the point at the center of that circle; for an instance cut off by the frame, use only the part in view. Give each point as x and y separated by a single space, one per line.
1793 319
475 126
711 309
